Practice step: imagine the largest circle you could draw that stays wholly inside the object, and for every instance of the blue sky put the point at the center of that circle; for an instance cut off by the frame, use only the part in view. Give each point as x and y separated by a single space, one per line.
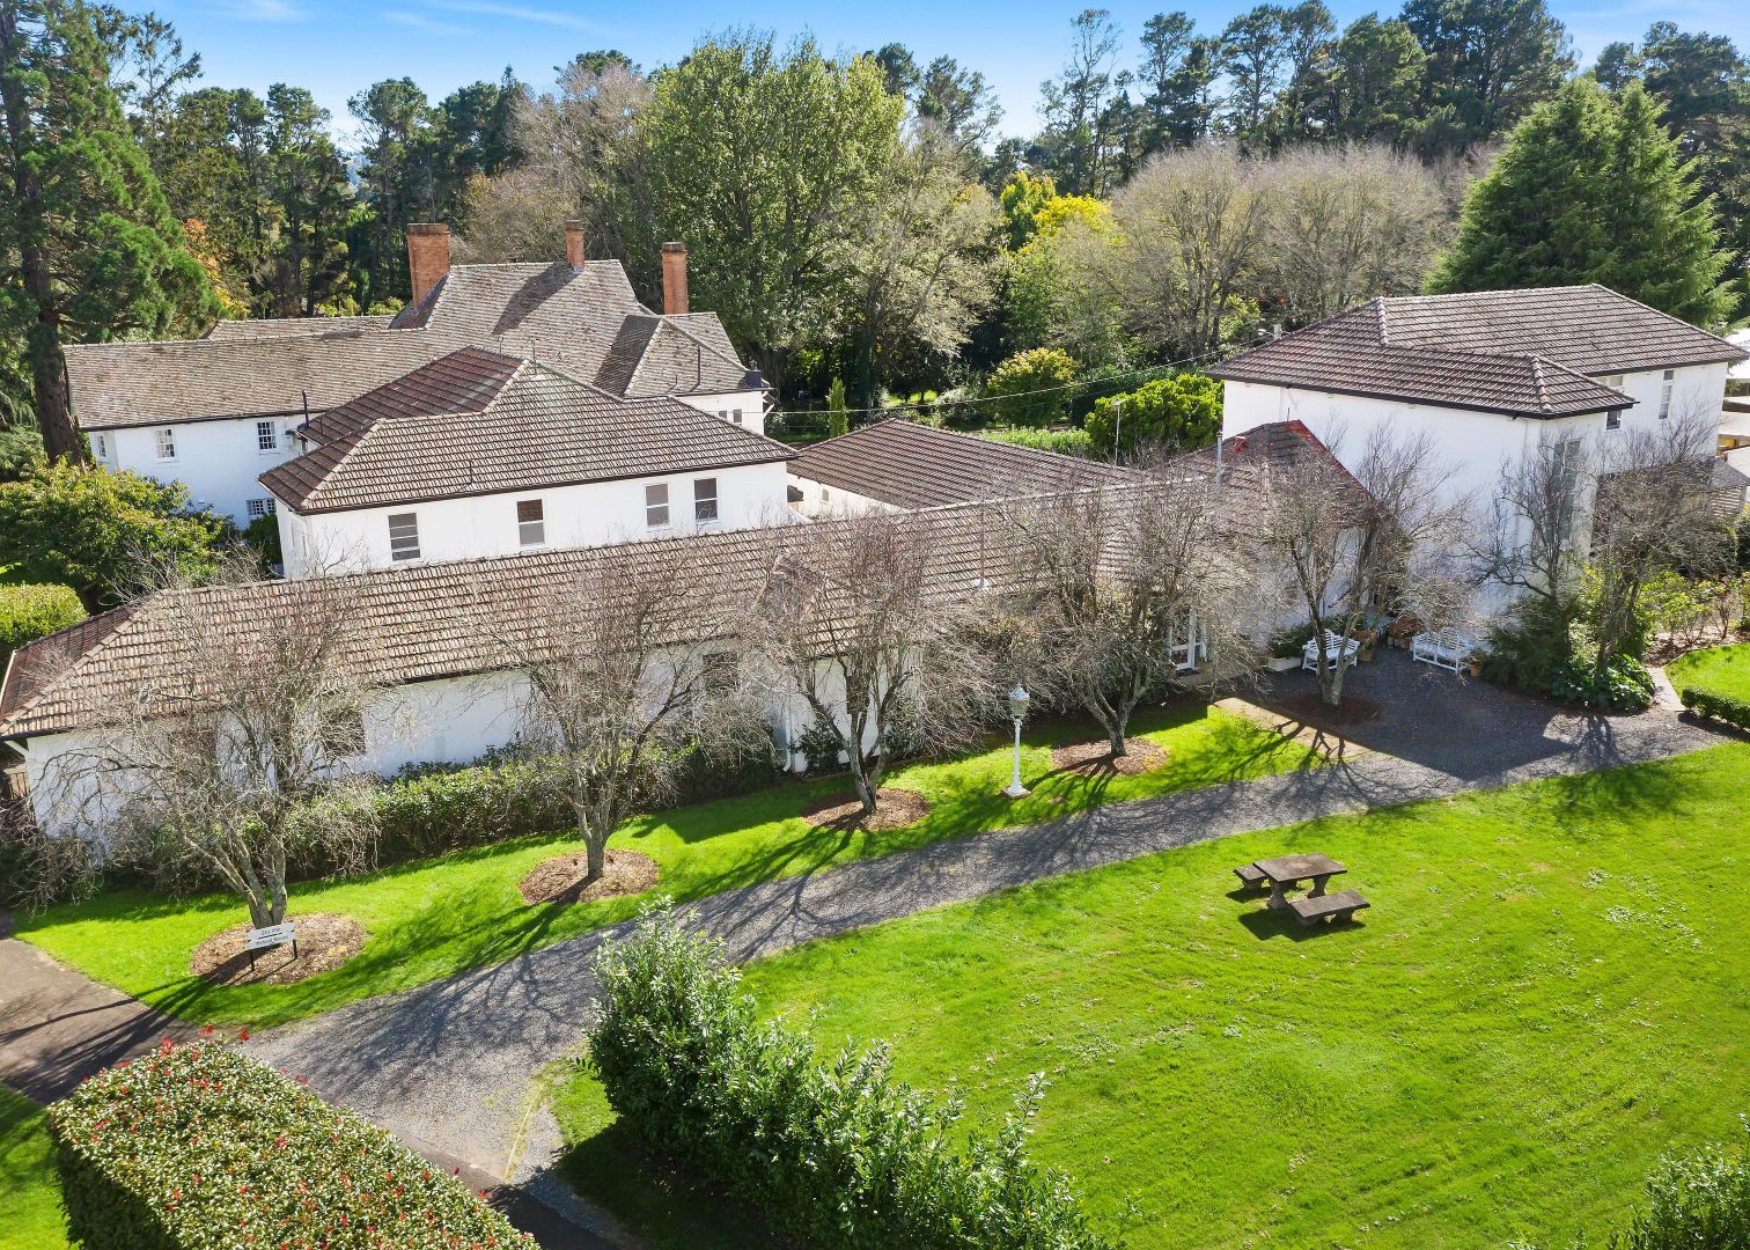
337 47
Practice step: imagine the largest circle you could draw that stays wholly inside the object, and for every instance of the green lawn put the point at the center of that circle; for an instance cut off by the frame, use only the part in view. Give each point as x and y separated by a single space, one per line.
30 1195
1726 669
1551 988
429 919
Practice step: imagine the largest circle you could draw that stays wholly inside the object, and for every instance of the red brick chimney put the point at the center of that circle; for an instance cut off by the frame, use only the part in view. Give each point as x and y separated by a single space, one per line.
428 256
574 243
674 279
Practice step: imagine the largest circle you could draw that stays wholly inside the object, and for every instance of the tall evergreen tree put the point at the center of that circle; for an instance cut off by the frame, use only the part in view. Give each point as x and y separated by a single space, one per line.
1591 189
88 247
1490 62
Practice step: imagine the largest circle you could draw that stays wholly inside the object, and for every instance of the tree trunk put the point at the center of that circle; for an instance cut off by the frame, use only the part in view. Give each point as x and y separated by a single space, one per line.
1115 735
596 855
865 781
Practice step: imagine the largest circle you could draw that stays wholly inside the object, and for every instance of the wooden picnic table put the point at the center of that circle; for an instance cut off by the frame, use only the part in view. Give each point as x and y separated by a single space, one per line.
1285 872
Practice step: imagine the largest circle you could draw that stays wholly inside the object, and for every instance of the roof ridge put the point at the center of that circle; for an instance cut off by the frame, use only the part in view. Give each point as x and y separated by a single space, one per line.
1379 316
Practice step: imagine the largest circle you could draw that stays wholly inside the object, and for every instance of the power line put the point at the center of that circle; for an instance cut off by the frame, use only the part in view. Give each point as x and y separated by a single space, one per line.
995 399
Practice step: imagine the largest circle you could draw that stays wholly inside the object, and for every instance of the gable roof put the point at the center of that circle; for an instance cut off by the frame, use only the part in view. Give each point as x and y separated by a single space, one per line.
479 423
1532 353
567 317
917 466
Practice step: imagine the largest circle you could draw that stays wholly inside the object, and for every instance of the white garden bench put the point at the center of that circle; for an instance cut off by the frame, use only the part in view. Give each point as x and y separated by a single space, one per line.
1335 648
1444 648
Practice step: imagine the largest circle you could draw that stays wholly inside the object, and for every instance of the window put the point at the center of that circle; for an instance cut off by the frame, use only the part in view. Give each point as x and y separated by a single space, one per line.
1665 386
102 447
404 536
738 416
259 507
1612 380
266 437
705 499
656 505
531 522
167 443
342 732
1613 419
723 414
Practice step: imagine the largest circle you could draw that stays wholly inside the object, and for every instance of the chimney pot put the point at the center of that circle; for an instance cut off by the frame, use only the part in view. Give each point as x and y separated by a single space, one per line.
674 279
428 256
574 243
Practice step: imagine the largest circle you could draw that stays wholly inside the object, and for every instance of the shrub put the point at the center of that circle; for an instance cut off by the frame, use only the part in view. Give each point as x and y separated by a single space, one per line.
1624 685
1289 644
1059 442
1182 411
1719 704
200 1146
834 1153
33 611
1046 369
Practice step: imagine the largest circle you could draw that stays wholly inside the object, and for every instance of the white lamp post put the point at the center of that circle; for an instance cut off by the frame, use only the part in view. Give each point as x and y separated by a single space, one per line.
1018 701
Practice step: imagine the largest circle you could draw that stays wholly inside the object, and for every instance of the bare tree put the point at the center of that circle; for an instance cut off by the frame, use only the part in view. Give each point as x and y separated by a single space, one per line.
1352 543
861 619
252 713
631 676
1540 504
1127 587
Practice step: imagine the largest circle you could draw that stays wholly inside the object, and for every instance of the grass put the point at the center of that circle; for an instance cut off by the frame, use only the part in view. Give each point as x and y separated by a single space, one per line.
1550 990
432 918
1726 669
30 1194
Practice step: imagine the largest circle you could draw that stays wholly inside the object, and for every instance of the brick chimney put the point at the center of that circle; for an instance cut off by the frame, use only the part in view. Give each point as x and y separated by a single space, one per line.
674 279
574 243
428 256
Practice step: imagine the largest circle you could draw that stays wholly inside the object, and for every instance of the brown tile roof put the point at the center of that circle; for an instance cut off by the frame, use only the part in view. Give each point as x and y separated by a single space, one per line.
917 466
478 423
1525 353
288 327
566 317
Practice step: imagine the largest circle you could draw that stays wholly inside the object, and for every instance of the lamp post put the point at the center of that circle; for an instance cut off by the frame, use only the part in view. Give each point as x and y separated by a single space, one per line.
1018 701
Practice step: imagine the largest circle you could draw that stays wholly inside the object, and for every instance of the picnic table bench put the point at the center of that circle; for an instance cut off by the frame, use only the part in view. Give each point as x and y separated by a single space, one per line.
1326 908
1286 872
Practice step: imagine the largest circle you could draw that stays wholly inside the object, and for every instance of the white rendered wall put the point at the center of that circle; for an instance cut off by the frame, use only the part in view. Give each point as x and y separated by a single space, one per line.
219 461
750 404
591 515
820 500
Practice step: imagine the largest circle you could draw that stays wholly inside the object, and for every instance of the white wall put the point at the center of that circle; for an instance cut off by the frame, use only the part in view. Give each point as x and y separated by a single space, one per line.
820 500
750 404
485 525
219 461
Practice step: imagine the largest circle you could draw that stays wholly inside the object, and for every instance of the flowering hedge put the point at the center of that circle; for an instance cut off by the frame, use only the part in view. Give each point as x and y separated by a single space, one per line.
834 1153
199 1146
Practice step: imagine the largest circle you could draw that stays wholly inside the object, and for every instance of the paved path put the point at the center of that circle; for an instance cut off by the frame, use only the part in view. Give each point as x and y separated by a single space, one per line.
451 1062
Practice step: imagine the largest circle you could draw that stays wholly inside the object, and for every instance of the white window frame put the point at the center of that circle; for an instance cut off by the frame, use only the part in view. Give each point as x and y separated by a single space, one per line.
403 545
166 442
656 513
267 438
260 507
1613 419
705 510
101 445
1666 386
531 531
738 416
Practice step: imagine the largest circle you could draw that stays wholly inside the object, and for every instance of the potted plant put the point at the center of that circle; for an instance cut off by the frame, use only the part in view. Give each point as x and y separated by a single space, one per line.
1286 648
1474 663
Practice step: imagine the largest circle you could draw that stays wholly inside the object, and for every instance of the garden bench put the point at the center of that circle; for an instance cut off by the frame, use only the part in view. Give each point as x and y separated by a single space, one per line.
1327 907
1335 648
1443 648
1251 877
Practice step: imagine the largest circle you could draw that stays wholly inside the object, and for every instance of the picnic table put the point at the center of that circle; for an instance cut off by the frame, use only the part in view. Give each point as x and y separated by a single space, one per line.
1286 872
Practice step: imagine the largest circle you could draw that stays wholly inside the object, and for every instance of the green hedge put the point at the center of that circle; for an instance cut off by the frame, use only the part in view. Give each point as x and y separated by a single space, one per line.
834 1153
1719 704
199 1146
35 610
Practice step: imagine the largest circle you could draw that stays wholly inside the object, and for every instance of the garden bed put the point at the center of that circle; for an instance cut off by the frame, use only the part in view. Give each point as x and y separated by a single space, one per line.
325 942
562 879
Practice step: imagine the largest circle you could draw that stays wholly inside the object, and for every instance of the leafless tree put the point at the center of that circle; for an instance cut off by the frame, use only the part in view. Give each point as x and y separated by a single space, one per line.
249 714
1125 587
863 620
1540 504
632 678
1352 543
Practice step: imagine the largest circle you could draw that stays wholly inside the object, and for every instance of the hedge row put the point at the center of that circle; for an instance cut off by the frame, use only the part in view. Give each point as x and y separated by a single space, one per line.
198 1146
834 1153
1719 704
35 610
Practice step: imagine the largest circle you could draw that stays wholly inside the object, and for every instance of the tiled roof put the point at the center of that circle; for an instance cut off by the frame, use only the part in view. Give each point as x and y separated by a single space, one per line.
1531 353
287 327
477 423
917 466
562 316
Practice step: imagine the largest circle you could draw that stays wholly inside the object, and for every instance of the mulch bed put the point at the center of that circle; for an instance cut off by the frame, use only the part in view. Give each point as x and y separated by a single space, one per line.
325 941
1140 756
1309 709
894 809
561 879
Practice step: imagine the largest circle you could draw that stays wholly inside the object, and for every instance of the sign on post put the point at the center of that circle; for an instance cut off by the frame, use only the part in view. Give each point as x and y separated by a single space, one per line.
273 935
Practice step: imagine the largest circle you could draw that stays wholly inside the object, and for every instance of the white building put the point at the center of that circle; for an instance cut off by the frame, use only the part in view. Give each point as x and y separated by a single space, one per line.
480 454
213 413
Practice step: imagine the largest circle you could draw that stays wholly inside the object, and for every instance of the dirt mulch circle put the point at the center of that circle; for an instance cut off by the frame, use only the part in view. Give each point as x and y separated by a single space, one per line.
561 879
325 941
894 809
1309 709
1140 756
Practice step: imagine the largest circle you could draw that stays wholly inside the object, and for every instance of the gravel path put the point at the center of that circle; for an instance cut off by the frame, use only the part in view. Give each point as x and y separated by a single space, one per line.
451 1063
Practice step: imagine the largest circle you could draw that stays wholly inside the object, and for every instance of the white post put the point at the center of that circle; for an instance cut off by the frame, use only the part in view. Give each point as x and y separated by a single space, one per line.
1016 790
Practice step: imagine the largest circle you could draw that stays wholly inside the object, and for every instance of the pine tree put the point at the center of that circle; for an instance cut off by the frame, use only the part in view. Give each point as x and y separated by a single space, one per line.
1590 189
88 247
838 421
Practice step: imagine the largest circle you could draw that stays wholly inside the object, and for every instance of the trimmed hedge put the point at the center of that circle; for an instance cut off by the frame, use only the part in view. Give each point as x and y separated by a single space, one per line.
834 1153
1719 704
35 610
199 1146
